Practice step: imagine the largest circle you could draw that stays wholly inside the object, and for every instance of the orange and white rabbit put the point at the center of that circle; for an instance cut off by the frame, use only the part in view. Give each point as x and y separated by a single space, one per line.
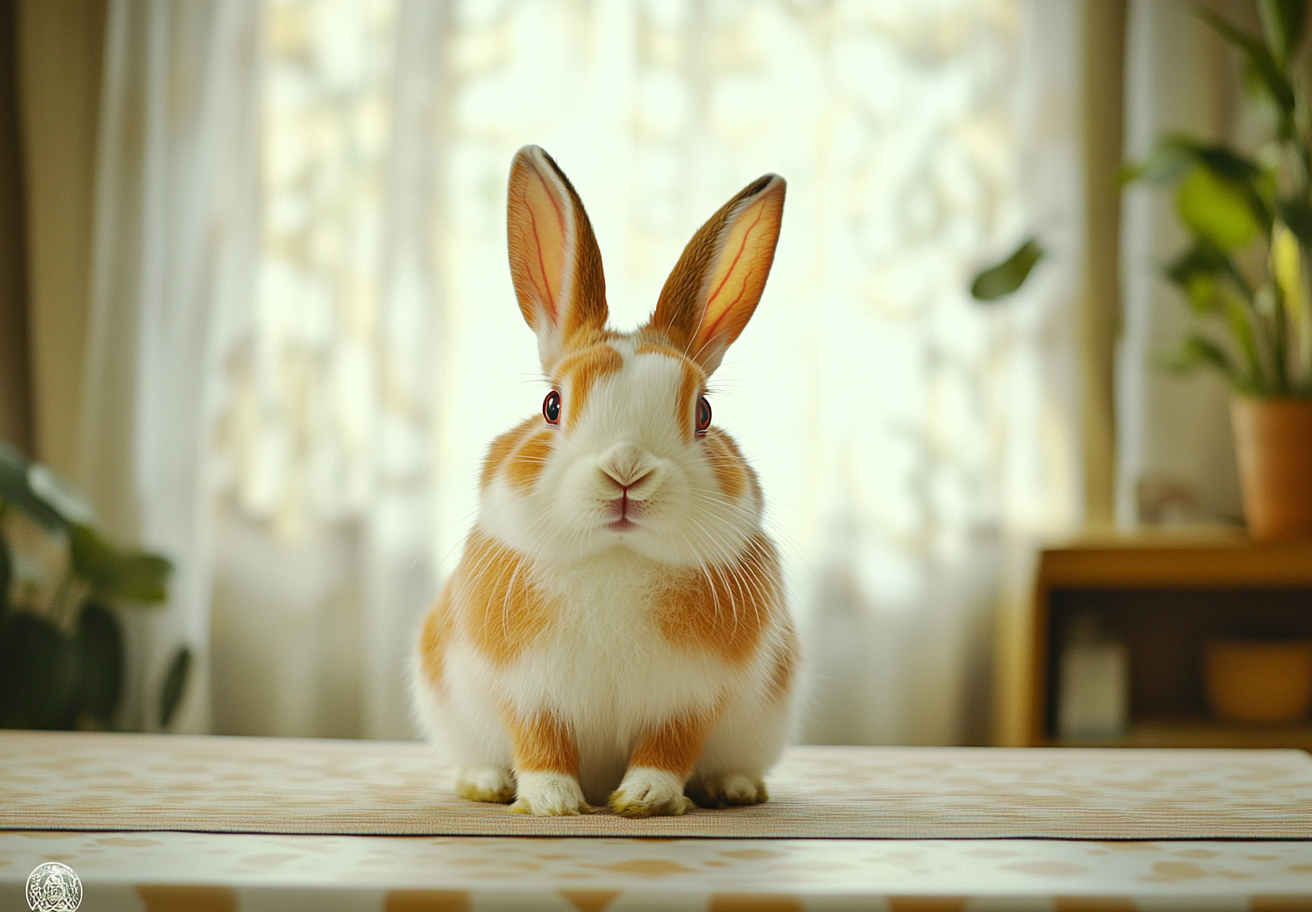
616 627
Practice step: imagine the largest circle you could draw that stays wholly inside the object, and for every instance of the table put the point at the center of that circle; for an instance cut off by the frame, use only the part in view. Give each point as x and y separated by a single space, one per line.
135 843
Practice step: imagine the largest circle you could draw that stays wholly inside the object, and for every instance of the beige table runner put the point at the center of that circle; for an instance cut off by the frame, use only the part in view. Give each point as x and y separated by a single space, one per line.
75 781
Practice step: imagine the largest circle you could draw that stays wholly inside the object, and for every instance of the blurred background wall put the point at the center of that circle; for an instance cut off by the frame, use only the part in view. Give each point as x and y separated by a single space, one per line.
253 300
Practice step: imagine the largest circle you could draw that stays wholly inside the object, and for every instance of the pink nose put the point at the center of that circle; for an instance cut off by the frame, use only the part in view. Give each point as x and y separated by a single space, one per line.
623 485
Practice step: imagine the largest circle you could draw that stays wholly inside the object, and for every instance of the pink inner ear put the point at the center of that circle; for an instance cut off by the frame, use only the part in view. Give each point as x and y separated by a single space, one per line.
717 305
540 238
558 229
739 271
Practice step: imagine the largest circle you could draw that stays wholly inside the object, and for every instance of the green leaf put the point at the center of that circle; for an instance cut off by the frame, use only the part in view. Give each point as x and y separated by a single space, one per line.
1004 278
1296 213
1242 330
1215 209
92 557
1199 272
1282 23
1194 352
141 577
100 655
38 675
16 489
1174 153
1176 156
174 682
6 574
1262 73
134 576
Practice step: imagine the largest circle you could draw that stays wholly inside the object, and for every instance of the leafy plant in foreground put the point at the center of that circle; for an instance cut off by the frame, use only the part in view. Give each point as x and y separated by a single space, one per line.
61 645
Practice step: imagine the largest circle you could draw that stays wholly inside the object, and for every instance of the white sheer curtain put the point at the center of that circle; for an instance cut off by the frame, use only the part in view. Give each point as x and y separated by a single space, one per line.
172 247
905 435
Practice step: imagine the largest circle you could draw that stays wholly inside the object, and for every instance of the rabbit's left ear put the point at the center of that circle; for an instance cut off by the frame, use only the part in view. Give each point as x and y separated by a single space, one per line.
554 260
717 283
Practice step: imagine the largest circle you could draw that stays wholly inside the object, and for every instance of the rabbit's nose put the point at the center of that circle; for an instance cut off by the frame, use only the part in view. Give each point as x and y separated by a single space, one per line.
624 485
629 468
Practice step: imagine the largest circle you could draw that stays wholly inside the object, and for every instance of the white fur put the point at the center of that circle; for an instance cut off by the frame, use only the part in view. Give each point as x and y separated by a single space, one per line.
549 794
646 791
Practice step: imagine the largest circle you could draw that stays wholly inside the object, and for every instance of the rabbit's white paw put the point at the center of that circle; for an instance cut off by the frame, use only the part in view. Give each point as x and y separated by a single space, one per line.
727 789
549 795
646 792
485 783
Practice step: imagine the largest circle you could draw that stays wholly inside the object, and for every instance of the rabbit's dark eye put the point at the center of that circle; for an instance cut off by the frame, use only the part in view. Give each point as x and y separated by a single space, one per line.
551 407
703 415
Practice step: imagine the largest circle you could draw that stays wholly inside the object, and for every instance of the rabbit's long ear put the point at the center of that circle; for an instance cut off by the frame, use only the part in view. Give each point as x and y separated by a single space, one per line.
554 259
715 286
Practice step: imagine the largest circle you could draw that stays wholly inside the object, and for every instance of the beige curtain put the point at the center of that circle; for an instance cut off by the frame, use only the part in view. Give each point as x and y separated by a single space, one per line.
176 215
15 373
60 51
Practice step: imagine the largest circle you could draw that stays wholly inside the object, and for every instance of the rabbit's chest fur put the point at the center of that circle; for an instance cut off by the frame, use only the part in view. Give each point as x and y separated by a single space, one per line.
602 659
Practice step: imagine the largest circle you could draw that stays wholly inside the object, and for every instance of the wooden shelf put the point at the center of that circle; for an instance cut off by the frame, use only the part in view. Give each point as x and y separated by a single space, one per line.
1207 560
1164 594
1199 733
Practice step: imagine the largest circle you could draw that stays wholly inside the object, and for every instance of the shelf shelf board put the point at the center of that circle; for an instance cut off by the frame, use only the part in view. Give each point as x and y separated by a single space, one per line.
1205 560
1200 733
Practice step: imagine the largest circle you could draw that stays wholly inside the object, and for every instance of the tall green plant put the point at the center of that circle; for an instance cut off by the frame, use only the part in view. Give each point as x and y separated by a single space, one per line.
61 647
1245 273
1250 220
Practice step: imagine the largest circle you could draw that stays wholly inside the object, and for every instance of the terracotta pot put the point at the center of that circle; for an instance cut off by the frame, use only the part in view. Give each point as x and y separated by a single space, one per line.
1258 681
1273 440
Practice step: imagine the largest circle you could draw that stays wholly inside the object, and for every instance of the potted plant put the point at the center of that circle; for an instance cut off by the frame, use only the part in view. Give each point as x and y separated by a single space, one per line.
1245 274
61 646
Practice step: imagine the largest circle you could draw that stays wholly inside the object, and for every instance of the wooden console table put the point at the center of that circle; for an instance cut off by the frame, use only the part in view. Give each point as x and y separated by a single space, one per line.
1163 595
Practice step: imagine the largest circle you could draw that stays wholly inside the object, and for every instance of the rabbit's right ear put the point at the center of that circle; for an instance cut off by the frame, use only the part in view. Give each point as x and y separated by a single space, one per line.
717 283
554 260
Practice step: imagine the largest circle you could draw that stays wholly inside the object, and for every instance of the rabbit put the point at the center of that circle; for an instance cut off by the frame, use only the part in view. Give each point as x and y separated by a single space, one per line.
615 630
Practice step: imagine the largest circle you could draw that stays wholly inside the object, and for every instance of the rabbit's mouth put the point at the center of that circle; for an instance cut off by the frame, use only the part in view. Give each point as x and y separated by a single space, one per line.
623 524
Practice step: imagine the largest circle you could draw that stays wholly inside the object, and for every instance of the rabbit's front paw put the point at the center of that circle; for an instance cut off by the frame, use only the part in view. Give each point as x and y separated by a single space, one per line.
729 789
549 795
485 783
647 792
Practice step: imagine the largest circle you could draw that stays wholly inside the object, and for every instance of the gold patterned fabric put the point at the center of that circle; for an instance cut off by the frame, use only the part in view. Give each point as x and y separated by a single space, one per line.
238 872
82 781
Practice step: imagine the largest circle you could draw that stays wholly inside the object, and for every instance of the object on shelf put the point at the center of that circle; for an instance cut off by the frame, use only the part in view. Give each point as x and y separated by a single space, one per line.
1258 682
1094 685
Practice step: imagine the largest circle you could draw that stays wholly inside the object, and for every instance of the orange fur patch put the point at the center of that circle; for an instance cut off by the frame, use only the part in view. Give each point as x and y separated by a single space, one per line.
435 637
524 467
579 371
543 744
675 746
727 463
723 609
501 449
500 606
691 382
